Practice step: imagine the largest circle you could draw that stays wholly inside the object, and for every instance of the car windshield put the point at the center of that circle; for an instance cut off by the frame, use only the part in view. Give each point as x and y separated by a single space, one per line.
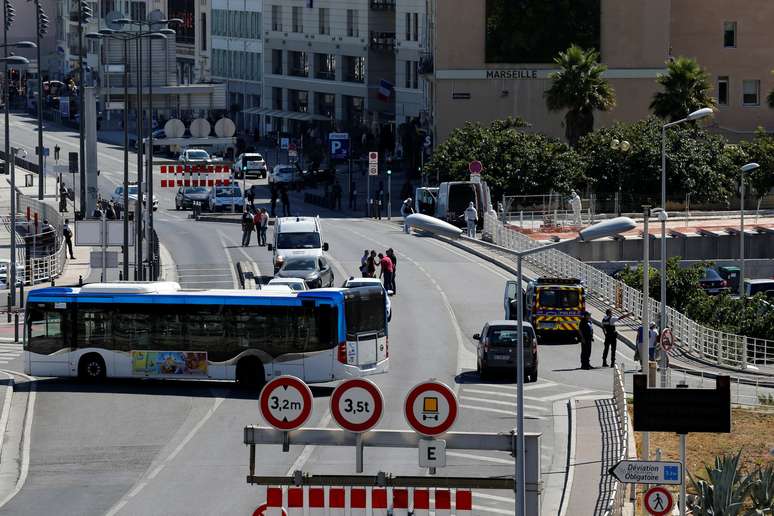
227 192
554 298
353 284
133 190
252 158
507 337
711 275
285 170
300 264
198 154
298 240
194 190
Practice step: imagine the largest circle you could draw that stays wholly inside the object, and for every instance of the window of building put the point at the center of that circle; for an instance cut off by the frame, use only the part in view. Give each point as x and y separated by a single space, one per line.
751 92
353 69
415 24
408 26
415 74
204 31
138 10
298 64
325 21
407 82
353 29
298 19
723 91
729 34
325 104
276 61
325 66
276 98
276 18
298 101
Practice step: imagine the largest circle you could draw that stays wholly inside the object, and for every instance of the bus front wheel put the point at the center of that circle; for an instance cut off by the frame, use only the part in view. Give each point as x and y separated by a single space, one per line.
250 373
91 367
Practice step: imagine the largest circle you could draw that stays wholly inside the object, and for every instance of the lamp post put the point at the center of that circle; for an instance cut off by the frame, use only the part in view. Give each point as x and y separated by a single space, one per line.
6 86
9 13
623 146
41 21
744 169
602 229
84 15
694 115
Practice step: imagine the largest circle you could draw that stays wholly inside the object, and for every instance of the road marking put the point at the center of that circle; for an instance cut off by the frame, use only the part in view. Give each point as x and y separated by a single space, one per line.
556 397
6 410
491 393
539 386
479 457
306 453
486 496
482 508
498 411
118 506
25 458
498 402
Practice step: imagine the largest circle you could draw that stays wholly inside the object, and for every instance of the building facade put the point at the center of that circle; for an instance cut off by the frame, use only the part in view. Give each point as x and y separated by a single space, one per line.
472 78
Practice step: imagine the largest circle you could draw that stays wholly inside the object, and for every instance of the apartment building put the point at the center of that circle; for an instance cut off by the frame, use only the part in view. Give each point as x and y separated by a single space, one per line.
486 65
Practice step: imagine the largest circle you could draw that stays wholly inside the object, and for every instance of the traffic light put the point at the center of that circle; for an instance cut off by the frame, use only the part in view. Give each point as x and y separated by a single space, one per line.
10 14
86 13
73 161
56 152
42 20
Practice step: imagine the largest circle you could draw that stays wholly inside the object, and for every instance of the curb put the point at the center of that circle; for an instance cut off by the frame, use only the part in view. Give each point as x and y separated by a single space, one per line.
168 273
571 441
6 411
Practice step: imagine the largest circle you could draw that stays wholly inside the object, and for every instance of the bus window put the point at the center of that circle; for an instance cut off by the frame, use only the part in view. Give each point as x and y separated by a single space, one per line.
168 328
45 331
367 313
132 325
94 327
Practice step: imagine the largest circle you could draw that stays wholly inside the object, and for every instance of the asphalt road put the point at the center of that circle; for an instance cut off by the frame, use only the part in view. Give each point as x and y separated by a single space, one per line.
163 447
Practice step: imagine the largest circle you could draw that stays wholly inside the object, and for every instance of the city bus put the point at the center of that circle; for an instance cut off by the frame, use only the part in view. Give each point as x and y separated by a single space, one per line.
158 330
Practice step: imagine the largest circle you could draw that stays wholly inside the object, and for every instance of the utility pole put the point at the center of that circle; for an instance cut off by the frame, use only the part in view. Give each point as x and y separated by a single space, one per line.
84 14
8 16
138 275
41 29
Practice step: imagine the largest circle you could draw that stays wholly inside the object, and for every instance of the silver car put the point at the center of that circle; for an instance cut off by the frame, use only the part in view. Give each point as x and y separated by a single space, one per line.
497 346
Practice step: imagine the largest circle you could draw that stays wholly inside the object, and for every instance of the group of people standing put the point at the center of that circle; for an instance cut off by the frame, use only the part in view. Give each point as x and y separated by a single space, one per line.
386 262
254 220
609 323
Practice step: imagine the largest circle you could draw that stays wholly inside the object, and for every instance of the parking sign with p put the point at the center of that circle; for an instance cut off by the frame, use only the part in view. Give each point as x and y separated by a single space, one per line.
339 145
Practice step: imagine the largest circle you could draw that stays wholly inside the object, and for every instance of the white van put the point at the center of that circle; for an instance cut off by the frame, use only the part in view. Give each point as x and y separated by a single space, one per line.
296 236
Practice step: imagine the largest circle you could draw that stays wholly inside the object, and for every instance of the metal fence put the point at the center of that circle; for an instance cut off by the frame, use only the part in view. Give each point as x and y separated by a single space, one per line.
692 338
618 499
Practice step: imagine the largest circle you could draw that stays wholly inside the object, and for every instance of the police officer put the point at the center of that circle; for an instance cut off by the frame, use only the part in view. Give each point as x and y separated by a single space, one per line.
611 335
587 337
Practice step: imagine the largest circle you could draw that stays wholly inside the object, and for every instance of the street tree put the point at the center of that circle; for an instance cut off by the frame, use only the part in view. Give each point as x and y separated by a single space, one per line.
760 149
578 87
686 89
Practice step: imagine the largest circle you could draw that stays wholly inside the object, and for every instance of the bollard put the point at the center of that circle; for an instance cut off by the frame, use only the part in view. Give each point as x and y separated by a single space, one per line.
16 327
53 283
8 304
80 281
21 294
120 275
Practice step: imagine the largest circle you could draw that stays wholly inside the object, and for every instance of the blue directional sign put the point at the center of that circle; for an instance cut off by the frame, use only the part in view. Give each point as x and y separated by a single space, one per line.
339 145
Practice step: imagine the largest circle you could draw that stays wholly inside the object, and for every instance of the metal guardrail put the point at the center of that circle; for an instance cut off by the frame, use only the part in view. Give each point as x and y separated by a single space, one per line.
615 507
706 344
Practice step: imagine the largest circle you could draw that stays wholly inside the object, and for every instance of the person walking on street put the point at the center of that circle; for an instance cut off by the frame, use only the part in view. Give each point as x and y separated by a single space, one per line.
379 200
285 201
406 209
394 260
110 212
609 322
371 265
471 218
247 227
587 337
364 264
653 338
385 271
62 197
263 226
67 233
250 195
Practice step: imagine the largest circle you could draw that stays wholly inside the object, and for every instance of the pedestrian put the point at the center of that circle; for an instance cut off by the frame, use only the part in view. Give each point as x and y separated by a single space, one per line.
364 264
587 337
385 271
48 237
471 218
352 195
62 197
263 226
250 194
371 265
285 201
406 209
67 233
336 196
378 200
609 322
117 208
394 260
110 211
273 200
247 227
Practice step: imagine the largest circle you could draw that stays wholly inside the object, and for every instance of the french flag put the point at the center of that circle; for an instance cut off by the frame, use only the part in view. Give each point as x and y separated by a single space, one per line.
385 89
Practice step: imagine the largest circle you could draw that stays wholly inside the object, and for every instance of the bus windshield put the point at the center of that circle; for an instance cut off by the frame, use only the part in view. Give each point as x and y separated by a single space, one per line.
365 310
298 240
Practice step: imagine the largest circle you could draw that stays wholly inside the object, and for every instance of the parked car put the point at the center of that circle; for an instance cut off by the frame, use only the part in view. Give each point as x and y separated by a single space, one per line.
353 282
756 286
195 156
713 283
283 174
249 164
225 198
186 196
295 284
315 270
731 275
497 346
118 198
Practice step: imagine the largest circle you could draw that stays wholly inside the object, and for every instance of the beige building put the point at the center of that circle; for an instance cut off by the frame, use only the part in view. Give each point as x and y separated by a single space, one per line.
731 39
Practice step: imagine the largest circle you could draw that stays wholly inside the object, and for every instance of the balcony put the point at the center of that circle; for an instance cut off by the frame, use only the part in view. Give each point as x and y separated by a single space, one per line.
382 41
326 75
298 72
383 5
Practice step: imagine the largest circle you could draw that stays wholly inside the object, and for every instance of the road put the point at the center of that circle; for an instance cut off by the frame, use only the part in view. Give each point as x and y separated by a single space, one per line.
155 447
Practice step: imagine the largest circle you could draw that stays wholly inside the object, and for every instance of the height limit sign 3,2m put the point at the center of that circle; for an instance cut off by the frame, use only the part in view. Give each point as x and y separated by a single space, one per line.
286 403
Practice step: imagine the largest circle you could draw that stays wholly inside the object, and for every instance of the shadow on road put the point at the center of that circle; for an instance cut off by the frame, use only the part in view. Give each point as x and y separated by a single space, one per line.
468 377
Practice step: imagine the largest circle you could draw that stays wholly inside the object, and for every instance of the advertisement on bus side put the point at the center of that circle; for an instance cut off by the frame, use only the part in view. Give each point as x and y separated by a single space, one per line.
169 363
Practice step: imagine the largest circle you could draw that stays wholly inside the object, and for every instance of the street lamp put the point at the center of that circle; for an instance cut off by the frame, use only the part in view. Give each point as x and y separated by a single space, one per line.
6 94
41 30
694 115
623 146
602 229
84 15
744 169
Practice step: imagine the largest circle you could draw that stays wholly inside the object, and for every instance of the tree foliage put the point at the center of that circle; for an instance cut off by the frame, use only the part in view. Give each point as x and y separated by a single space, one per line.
686 89
760 150
682 282
515 161
578 87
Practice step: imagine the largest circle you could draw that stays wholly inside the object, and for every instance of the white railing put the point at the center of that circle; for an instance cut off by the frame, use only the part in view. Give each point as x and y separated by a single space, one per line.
47 267
618 498
703 343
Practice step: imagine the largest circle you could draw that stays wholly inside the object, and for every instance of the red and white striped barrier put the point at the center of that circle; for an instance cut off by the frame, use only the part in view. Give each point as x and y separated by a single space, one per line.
176 175
365 501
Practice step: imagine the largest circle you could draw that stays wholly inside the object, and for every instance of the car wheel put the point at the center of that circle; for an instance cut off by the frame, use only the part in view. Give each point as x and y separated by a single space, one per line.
533 374
177 206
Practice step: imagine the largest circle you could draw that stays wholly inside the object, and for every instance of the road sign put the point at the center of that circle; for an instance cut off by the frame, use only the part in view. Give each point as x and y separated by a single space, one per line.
432 453
475 167
111 259
72 158
339 145
373 158
284 143
45 151
357 405
647 472
667 339
263 509
658 501
373 169
286 403
292 153
430 408
292 147
428 141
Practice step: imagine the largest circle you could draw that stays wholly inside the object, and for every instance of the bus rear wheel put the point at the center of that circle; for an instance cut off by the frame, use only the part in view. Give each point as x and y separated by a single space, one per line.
91 367
250 373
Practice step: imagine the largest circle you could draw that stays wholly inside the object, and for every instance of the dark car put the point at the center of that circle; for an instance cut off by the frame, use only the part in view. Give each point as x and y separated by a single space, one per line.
314 270
713 283
186 196
731 275
497 346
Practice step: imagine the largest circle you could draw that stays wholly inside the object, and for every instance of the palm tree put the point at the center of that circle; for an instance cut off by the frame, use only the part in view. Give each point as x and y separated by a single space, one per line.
578 87
686 89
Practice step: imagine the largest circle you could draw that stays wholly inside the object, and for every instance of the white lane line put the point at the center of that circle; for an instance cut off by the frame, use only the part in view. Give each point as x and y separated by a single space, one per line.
486 496
558 396
253 263
498 411
230 261
498 402
25 458
479 457
491 393
118 506
539 386
6 409
482 508
306 453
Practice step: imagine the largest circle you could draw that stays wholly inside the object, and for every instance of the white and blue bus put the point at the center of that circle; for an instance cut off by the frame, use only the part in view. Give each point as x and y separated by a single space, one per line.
158 330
